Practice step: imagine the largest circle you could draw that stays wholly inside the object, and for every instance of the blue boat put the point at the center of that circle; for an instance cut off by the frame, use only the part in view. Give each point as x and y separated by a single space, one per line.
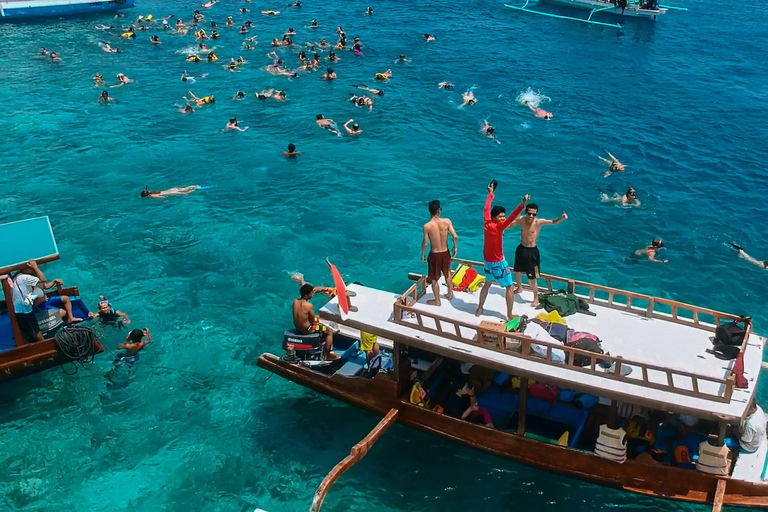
11 10
20 355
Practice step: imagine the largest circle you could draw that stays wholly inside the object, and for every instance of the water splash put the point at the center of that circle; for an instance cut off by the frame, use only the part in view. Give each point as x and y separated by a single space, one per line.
531 97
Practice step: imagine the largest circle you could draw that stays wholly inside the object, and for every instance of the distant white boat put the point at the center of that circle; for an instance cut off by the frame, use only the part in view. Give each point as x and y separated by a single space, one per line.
21 9
630 8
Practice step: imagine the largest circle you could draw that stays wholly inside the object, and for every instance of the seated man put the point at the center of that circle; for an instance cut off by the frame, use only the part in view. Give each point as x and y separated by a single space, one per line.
27 288
461 403
752 431
305 321
369 343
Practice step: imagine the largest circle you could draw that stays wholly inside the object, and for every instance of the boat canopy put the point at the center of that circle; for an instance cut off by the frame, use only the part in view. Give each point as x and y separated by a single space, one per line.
25 240
658 348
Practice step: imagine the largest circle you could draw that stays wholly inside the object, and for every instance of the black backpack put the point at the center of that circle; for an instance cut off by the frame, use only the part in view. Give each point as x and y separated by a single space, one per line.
731 333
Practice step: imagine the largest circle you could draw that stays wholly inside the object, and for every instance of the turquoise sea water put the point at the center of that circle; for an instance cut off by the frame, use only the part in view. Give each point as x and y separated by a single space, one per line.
197 427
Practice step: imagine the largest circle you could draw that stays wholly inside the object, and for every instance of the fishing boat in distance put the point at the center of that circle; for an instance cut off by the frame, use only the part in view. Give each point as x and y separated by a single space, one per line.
13 10
651 403
648 9
26 240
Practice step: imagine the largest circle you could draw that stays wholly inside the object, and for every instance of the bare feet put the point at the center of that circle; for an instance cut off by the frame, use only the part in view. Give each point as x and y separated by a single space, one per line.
479 311
449 296
517 290
74 319
433 302
534 303
330 356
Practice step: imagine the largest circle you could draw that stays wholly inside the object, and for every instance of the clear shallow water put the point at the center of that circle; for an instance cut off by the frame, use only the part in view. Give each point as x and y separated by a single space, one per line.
682 102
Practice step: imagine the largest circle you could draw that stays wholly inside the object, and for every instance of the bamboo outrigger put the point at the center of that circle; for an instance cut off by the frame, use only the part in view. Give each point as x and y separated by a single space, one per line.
658 362
18 357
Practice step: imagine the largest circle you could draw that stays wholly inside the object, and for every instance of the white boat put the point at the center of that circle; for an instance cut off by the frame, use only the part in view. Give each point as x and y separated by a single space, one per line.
12 10
630 8
633 9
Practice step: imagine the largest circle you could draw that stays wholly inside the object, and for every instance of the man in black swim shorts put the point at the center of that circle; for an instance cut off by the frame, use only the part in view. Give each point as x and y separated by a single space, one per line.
527 260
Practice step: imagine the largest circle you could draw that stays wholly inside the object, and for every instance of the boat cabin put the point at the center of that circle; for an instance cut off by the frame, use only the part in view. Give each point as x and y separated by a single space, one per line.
649 407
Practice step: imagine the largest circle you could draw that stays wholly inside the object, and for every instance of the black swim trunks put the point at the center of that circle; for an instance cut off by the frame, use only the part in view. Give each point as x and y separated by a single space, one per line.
28 326
527 261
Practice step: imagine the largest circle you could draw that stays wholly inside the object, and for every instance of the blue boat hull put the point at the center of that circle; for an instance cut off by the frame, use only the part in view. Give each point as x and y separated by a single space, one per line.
13 10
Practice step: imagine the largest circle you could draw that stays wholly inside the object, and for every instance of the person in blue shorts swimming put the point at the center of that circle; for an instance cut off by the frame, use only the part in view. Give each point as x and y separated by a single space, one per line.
496 267
133 344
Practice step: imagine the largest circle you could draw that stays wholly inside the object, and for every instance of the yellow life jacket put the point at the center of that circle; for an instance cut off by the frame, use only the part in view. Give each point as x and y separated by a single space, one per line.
418 395
553 317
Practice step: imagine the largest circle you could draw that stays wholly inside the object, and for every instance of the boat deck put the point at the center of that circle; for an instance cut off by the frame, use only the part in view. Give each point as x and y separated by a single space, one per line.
655 341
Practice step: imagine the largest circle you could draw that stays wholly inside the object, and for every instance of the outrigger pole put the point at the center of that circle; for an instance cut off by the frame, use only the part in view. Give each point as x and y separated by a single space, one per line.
589 20
358 452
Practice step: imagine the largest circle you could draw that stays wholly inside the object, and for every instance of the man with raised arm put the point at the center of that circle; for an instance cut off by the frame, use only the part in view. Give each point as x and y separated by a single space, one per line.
439 260
527 258
496 267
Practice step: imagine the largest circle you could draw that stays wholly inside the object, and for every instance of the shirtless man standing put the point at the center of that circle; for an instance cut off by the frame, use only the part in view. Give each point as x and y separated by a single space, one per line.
439 260
305 321
527 254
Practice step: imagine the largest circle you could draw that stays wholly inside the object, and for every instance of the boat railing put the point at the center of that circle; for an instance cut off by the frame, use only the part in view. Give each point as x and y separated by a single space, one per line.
638 303
518 345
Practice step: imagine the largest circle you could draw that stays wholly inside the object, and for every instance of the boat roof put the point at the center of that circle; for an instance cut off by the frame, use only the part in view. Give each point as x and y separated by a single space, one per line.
666 356
25 240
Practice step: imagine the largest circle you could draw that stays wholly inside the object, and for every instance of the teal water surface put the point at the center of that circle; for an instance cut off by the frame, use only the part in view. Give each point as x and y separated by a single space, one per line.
196 426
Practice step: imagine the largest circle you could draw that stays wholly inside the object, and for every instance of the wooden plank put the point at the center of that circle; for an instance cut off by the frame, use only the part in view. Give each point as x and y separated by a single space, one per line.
717 505
358 452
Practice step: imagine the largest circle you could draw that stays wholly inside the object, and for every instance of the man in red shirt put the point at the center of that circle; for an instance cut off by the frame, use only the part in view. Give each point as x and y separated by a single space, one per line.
496 266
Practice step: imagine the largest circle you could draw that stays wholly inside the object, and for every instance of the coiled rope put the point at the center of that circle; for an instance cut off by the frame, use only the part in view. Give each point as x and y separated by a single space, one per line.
78 345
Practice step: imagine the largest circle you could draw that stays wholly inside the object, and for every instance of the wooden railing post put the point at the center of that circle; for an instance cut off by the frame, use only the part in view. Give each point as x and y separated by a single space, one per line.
522 406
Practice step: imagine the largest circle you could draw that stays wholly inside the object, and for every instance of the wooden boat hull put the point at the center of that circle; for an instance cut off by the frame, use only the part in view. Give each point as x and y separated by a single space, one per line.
380 395
630 11
32 358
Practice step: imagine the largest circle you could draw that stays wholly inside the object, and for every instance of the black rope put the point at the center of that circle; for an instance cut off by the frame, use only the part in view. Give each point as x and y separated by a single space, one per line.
78 345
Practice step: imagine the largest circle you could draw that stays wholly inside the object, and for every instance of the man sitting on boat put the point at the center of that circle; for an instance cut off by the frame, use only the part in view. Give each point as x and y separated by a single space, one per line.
461 403
306 322
25 293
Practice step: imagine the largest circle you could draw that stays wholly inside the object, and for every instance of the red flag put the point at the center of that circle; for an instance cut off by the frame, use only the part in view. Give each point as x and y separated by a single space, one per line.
341 289
738 372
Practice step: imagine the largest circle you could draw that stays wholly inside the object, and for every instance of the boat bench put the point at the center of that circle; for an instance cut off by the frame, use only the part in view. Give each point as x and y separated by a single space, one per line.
503 405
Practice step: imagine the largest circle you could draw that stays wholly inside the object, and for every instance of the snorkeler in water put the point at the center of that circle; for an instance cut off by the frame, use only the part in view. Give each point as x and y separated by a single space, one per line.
98 80
55 57
361 101
743 254
328 124
232 125
185 110
445 85
239 95
191 79
489 131
377 92
613 164
354 130
428 38
108 314
105 47
651 251
205 100
539 112
105 97
628 199
329 75
468 98
402 60
291 153
175 191
122 80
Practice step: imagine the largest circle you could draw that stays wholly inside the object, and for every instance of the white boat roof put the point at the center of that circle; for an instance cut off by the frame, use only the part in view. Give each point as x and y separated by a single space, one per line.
637 338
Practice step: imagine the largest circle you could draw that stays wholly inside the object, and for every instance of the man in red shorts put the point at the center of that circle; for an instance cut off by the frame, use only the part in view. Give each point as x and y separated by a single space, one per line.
439 260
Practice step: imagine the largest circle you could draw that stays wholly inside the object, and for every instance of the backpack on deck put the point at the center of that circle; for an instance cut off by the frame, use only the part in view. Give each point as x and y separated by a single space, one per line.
584 341
732 333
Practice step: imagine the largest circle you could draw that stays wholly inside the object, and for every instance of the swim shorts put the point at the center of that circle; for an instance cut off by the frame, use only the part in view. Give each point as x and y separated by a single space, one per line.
438 262
318 327
367 341
527 261
499 272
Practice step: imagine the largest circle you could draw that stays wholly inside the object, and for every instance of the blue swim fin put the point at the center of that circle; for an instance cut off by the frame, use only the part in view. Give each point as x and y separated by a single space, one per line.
205 187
